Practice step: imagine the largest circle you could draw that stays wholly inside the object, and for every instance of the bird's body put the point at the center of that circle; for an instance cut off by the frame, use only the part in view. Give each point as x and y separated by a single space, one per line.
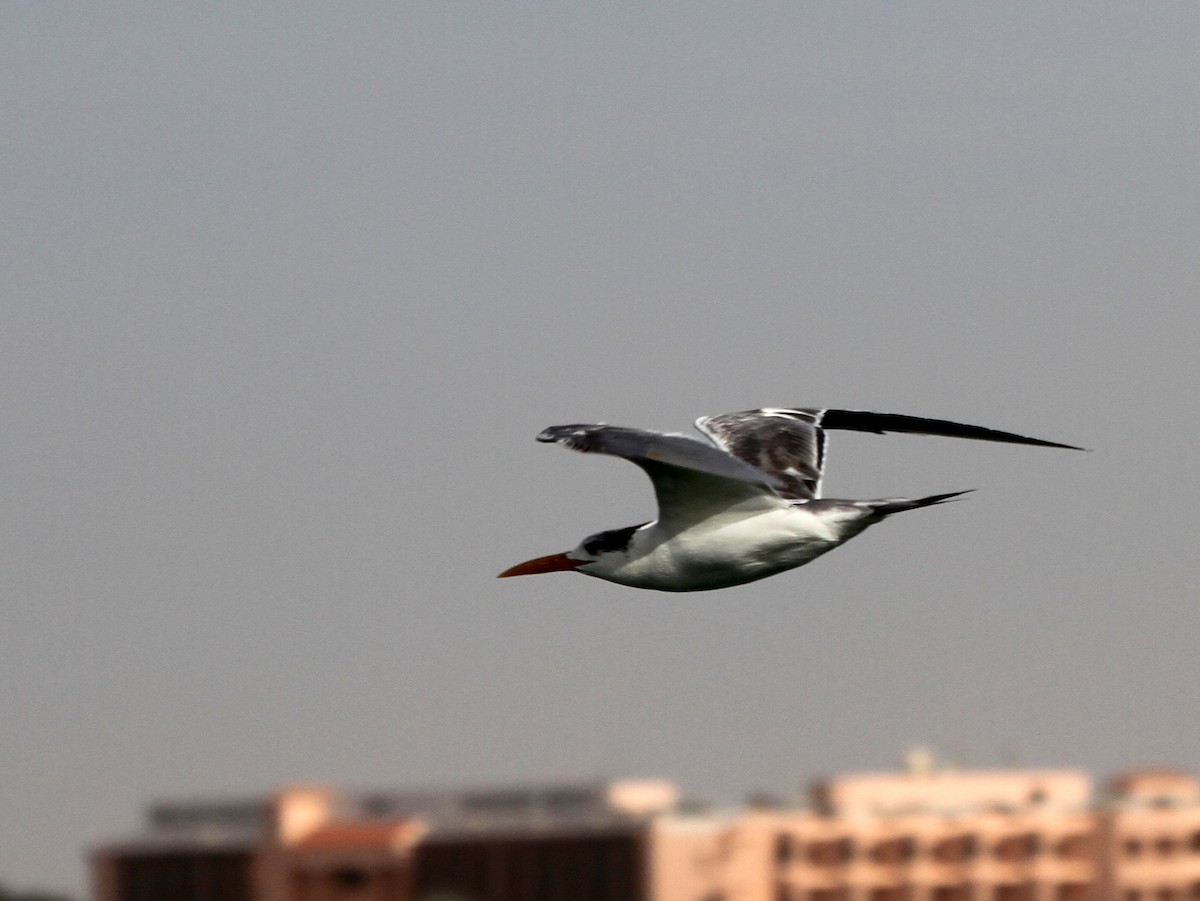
742 508
735 546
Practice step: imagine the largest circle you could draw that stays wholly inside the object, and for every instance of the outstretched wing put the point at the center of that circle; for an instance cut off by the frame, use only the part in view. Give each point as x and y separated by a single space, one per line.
692 480
790 444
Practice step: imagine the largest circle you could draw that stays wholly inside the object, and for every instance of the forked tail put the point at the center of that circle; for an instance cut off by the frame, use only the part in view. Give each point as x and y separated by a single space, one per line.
887 508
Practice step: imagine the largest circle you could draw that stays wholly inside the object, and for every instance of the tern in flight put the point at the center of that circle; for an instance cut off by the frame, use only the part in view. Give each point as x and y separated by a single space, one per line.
742 506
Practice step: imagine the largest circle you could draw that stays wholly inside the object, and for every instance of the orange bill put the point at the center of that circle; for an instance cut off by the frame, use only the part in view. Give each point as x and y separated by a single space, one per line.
550 564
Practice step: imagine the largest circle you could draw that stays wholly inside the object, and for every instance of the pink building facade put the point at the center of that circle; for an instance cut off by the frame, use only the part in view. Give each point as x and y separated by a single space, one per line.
938 836
1149 838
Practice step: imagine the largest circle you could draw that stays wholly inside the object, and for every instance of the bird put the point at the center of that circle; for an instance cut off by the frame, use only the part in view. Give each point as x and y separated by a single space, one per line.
743 505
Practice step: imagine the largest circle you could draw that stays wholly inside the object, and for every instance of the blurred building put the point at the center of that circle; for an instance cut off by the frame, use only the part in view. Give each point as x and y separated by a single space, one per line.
1148 835
585 842
923 834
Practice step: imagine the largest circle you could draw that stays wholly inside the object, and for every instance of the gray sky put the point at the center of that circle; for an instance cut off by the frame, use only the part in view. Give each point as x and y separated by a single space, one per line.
288 290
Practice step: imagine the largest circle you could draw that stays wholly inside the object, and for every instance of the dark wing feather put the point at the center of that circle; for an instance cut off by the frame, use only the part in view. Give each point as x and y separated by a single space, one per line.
789 444
786 444
878 423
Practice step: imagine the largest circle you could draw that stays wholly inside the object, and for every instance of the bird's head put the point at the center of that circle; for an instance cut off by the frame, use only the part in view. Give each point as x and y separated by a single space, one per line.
590 550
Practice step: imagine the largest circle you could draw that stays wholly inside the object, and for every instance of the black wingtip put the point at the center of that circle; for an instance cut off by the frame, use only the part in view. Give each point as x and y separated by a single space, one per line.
577 436
879 423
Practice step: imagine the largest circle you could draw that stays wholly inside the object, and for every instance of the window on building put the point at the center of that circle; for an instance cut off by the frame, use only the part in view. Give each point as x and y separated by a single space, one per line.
1074 847
957 849
829 894
1073 891
350 878
952 893
1019 891
787 848
891 893
1165 846
1019 847
830 852
1132 847
894 851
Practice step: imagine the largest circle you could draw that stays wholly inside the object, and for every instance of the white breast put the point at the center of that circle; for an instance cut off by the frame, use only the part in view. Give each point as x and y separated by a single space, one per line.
719 552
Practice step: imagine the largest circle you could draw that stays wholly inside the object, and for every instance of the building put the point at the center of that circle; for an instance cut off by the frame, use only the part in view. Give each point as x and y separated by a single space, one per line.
1149 838
585 842
931 836
922 834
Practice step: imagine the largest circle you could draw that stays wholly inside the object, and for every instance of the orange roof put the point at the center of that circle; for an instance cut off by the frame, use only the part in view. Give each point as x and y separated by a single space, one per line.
362 836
